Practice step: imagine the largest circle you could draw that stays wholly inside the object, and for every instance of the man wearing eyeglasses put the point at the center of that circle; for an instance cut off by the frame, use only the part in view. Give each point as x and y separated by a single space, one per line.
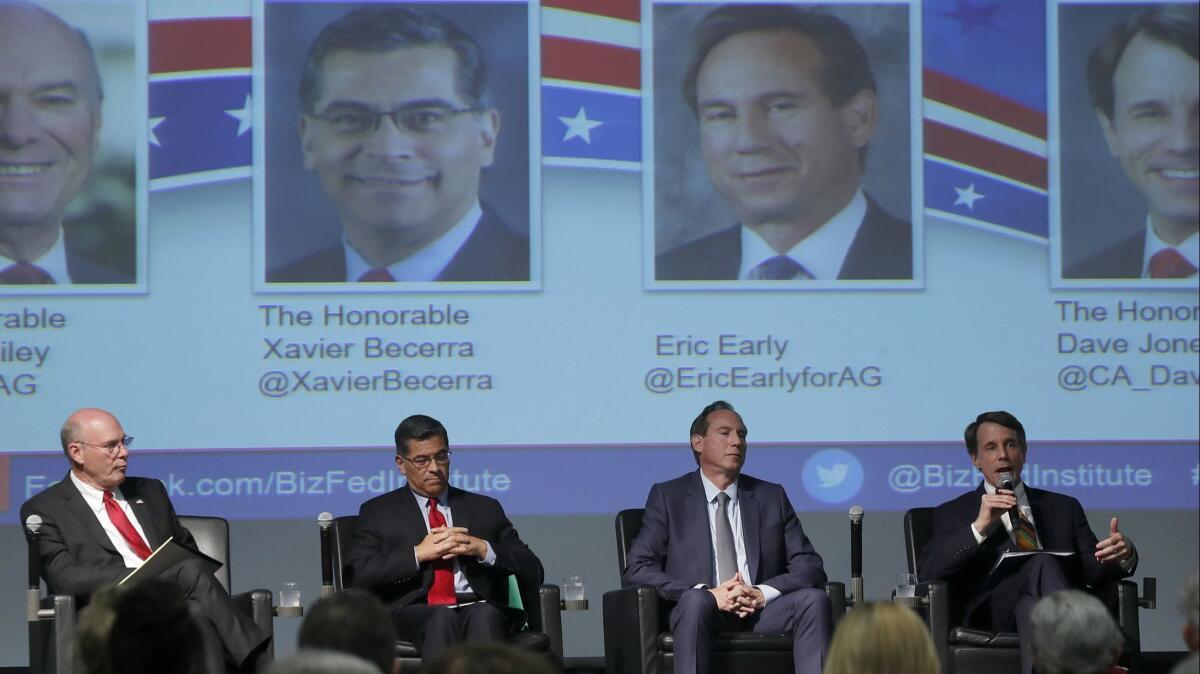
437 556
396 126
98 525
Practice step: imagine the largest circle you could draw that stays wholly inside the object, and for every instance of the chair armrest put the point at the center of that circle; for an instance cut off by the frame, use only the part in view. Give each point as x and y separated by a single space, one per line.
631 625
545 616
257 605
837 600
938 594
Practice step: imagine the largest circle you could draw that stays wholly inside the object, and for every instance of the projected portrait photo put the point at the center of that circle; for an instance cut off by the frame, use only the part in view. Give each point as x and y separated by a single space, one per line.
782 148
396 147
69 126
1129 95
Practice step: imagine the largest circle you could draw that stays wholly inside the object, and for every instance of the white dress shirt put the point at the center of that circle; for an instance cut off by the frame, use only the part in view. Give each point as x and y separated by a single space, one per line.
461 586
53 261
822 253
734 512
426 263
1189 248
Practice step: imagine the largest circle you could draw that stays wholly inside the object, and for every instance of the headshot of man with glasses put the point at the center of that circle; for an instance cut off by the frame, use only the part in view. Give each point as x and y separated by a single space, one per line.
396 125
439 557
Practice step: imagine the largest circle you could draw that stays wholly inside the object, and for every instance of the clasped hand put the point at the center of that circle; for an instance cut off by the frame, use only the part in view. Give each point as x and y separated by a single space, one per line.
738 598
448 543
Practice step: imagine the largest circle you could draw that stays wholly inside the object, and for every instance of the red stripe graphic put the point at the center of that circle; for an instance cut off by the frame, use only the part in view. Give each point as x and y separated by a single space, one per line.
967 148
956 93
567 59
199 44
629 10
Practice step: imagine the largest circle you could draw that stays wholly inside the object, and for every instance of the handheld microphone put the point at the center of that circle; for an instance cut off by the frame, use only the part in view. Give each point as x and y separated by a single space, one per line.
325 522
856 580
1005 481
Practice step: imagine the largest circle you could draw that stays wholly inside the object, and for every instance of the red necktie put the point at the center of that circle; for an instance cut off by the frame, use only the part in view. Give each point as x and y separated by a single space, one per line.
24 274
123 525
1170 263
441 593
376 276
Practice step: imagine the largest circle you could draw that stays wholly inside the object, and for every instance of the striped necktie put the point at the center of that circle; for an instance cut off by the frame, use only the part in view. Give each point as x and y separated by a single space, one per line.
1024 533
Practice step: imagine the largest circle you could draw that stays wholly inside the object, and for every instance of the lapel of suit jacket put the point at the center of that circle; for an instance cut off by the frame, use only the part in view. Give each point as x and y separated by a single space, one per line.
82 513
696 510
458 508
749 505
133 493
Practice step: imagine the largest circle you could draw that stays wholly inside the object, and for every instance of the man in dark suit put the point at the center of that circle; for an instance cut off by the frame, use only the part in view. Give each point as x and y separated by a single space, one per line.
729 550
1142 78
397 127
437 556
99 525
786 105
971 532
49 131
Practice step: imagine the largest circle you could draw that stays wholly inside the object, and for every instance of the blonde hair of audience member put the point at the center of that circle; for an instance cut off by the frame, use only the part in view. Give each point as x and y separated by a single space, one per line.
881 638
1073 633
316 661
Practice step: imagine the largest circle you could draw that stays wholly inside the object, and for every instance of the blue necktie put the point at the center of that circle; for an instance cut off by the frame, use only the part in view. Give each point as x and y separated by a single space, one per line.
780 268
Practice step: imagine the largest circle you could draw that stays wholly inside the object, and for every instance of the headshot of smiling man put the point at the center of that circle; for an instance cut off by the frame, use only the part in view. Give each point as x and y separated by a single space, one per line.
396 125
786 104
50 119
1144 86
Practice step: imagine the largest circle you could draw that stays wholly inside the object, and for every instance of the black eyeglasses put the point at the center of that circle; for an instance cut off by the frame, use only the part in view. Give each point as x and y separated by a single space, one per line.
422 462
111 448
424 119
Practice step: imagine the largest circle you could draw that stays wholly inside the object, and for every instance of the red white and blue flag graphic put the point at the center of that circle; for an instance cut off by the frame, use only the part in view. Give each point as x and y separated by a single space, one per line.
985 114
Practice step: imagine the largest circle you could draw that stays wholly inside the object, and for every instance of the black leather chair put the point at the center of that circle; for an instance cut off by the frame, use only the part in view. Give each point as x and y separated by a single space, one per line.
637 639
52 618
543 632
963 649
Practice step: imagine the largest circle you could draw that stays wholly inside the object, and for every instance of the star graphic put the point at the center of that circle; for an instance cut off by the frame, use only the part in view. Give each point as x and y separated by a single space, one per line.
244 116
967 196
152 127
971 16
579 126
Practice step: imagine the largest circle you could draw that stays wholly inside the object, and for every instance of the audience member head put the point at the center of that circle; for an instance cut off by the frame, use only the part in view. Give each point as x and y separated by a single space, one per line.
494 657
91 637
305 661
1189 606
154 632
1073 633
352 622
881 638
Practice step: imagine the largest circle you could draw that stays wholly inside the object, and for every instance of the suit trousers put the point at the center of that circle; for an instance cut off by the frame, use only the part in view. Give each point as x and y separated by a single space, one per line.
1009 606
433 629
238 635
805 613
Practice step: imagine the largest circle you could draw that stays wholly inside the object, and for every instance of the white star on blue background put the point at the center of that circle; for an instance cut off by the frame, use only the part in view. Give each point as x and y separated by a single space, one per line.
579 126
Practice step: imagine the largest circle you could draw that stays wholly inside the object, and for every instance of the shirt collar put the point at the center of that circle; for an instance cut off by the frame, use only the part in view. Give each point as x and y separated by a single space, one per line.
423 501
1018 490
1189 248
426 263
92 496
822 253
53 261
711 491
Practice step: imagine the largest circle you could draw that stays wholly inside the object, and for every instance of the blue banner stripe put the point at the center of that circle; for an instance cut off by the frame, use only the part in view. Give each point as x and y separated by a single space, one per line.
197 134
617 136
1001 203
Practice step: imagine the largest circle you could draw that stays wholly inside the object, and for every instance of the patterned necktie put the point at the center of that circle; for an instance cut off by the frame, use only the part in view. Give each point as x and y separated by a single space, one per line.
24 274
377 276
1170 263
441 593
780 268
1024 533
726 548
123 525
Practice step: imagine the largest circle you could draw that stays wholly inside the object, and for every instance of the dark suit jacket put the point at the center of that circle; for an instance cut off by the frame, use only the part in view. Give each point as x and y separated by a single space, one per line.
100 264
1122 259
493 252
77 556
953 556
673 552
881 250
390 525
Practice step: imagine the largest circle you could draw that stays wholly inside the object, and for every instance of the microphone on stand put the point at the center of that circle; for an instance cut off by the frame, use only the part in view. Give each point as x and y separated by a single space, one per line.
325 522
856 580
33 598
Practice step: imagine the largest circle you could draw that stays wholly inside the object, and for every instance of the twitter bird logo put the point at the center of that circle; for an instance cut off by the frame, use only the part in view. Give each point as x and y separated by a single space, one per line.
832 476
